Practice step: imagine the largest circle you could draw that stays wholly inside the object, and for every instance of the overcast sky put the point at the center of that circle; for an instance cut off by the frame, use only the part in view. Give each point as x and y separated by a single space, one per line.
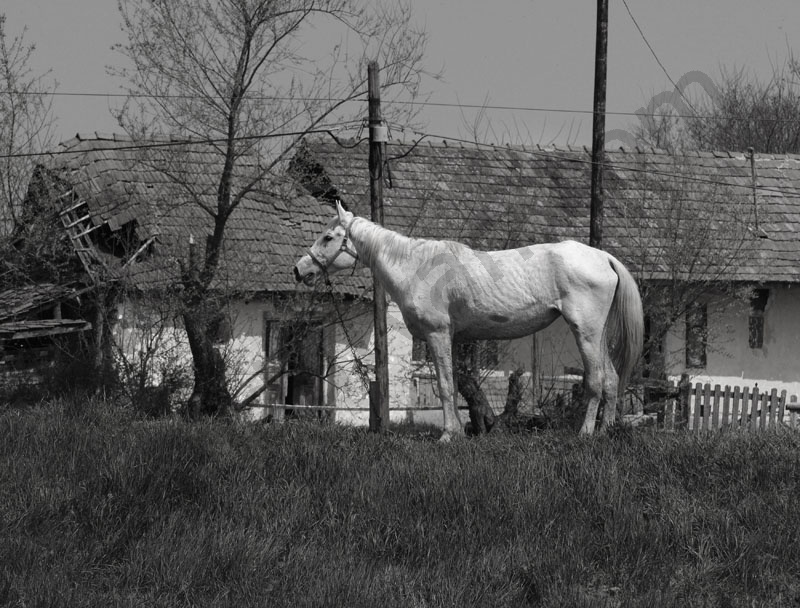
536 54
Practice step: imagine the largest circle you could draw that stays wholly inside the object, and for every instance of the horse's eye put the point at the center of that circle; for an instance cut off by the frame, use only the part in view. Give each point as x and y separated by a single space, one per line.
328 238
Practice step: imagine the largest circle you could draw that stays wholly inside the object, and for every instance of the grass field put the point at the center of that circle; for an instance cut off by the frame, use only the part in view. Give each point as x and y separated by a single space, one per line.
101 508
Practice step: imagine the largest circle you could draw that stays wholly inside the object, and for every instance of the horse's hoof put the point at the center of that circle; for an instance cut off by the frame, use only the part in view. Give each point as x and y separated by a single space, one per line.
448 436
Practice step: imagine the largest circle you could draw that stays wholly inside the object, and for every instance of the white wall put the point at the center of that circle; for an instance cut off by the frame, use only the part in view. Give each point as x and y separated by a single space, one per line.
551 352
731 361
245 353
142 324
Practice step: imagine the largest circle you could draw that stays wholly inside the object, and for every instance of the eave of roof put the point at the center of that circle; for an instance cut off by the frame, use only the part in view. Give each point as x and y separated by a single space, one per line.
22 330
26 299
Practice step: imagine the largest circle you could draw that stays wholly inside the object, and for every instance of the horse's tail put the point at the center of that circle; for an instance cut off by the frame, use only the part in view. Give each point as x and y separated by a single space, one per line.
625 324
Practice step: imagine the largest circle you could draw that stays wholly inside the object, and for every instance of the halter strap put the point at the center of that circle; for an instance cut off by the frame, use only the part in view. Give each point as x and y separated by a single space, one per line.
344 248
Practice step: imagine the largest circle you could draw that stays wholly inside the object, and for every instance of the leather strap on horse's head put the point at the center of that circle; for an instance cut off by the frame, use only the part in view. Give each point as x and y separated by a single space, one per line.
344 248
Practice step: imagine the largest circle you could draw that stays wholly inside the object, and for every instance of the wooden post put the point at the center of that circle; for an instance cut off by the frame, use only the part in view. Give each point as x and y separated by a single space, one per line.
793 406
379 408
599 126
684 400
754 179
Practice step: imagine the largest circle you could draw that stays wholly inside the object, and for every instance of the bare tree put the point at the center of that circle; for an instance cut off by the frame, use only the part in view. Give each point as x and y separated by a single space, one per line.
673 221
747 112
665 130
254 77
26 122
737 112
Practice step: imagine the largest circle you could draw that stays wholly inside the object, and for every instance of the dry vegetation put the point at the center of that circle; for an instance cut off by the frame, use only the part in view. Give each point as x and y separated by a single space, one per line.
99 507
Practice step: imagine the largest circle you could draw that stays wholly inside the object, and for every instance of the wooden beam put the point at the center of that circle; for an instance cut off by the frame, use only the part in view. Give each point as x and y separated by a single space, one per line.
41 332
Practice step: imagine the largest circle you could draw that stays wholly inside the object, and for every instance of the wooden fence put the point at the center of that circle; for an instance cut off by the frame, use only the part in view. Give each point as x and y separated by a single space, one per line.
701 407
683 406
697 408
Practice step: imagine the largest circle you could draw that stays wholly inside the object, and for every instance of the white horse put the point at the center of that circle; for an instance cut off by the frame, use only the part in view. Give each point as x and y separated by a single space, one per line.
448 292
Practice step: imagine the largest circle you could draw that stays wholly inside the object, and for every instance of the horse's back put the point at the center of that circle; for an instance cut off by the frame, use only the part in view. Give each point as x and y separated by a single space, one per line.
564 265
514 292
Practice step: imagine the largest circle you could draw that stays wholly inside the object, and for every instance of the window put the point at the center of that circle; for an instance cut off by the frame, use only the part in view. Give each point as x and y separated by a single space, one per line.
294 353
274 362
653 355
220 329
419 351
696 335
758 305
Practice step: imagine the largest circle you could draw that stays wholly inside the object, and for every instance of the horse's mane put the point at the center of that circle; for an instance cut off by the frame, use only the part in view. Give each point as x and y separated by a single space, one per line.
372 239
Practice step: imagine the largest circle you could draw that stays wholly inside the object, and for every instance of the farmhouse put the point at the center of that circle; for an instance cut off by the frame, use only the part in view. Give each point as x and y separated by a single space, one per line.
130 211
711 239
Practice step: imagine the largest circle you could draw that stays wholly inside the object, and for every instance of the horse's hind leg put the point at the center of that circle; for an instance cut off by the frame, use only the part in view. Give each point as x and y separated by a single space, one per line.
586 314
440 344
610 393
592 349
592 394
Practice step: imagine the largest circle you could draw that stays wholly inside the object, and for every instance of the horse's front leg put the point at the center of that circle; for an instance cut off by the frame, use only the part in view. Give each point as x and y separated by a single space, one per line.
440 344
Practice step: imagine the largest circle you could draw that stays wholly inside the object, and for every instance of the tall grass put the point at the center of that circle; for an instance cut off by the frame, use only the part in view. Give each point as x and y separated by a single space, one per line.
99 508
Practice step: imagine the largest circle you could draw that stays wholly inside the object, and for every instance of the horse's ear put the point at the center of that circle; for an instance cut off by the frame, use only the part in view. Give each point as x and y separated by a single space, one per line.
342 213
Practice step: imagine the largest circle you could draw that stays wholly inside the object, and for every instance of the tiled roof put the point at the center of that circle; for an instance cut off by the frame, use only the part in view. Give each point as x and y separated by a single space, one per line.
130 185
661 211
19 308
22 300
37 328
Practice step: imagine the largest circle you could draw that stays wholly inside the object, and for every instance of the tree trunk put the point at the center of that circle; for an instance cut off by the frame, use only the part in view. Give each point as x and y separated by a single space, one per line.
210 395
104 373
481 416
514 393
202 315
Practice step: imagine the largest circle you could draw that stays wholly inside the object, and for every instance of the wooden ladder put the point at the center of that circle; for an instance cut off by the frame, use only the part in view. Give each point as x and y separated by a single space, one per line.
77 221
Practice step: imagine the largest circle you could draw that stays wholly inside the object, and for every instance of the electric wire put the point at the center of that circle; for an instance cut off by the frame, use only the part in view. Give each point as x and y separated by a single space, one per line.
332 132
430 104
658 61
171 143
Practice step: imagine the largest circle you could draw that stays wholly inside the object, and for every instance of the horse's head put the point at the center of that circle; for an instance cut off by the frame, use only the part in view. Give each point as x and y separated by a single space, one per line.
332 252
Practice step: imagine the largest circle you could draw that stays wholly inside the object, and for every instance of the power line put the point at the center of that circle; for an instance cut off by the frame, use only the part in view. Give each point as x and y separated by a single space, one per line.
160 96
169 143
432 104
331 131
658 61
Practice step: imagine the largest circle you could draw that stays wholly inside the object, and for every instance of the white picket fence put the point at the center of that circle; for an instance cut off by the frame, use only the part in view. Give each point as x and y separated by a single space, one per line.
702 407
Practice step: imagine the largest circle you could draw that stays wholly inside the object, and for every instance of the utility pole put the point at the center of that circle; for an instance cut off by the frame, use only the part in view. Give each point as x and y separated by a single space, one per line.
599 126
379 389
